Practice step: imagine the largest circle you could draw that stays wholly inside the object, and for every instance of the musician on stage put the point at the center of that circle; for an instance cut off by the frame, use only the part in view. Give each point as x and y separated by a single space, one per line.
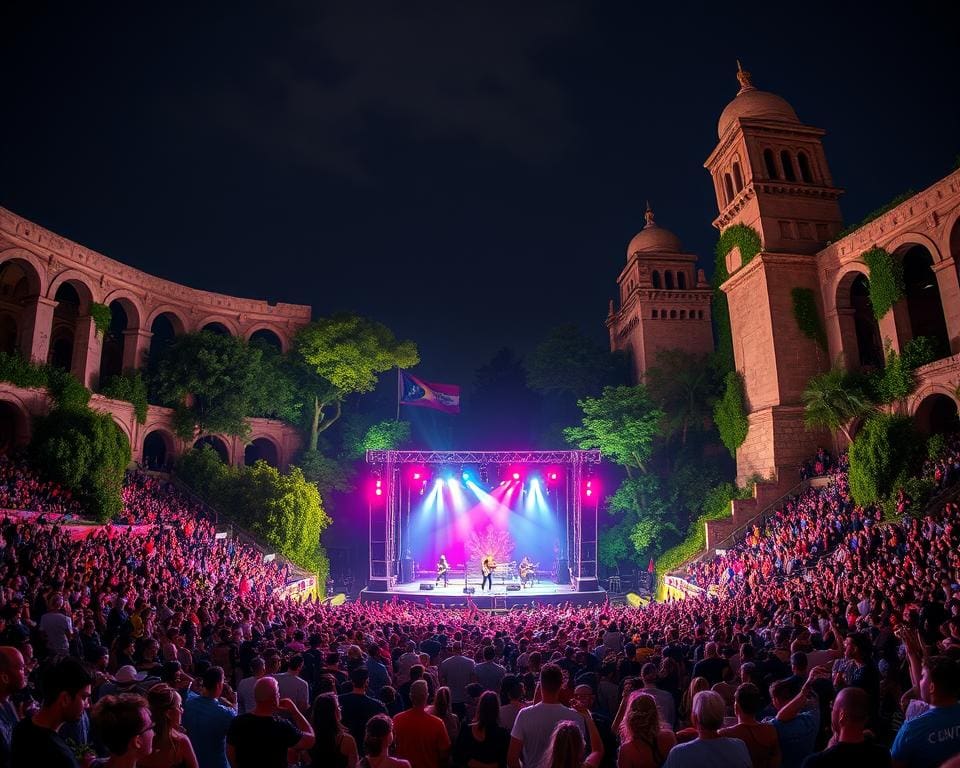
443 567
488 565
526 569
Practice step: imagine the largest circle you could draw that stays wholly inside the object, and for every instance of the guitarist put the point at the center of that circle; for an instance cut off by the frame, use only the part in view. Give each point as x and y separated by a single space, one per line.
527 569
442 568
488 565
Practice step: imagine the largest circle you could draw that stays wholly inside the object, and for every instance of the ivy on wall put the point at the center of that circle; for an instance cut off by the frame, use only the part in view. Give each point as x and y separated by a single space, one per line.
747 239
101 318
807 317
730 415
886 280
131 388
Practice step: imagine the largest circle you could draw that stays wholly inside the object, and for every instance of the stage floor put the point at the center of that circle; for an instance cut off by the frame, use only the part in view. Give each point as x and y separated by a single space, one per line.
545 593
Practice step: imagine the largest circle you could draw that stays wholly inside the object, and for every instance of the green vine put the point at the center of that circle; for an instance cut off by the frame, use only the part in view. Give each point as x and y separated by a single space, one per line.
877 213
130 388
807 317
730 415
886 280
747 239
101 318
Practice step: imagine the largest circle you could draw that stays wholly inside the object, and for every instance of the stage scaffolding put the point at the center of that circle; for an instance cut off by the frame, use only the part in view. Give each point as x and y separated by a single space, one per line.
385 515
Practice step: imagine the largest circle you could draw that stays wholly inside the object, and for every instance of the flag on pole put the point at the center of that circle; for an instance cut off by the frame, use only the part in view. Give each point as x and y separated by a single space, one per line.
442 397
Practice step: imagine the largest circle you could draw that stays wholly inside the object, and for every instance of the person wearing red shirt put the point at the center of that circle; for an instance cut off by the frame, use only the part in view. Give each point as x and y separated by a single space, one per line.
419 737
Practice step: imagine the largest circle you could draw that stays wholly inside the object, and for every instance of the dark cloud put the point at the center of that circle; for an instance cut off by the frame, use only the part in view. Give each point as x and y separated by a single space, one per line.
458 71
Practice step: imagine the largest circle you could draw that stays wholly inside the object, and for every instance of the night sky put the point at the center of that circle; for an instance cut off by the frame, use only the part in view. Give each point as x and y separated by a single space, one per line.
469 174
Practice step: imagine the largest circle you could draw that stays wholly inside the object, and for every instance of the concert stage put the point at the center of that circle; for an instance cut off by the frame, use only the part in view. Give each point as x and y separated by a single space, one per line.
500 598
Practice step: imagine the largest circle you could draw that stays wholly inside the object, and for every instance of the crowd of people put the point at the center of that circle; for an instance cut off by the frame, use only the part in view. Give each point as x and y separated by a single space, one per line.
831 639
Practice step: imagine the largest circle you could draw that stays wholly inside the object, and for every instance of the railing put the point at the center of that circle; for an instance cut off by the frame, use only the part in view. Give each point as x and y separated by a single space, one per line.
762 515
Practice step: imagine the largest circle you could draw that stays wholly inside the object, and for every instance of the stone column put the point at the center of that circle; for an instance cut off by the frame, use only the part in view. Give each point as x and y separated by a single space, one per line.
895 327
136 344
37 325
841 334
949 286
87 346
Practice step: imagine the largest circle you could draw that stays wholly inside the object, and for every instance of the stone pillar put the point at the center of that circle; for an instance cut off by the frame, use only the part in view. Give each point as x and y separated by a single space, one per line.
37 325
949 286
136 344
895 327
841 336
87 346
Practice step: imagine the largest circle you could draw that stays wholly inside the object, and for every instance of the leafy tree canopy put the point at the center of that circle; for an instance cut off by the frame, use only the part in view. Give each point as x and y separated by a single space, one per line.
568 362
833 400
684 386
622 423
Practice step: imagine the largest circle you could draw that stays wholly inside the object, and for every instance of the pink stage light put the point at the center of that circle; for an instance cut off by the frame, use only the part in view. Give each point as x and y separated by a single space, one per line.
516 475
589 488
552 476
416 475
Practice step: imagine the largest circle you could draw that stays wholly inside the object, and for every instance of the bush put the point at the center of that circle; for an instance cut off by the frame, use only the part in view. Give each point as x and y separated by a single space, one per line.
747 239
730 415
102 316
130 388
883 455
65 388
936 446
87 453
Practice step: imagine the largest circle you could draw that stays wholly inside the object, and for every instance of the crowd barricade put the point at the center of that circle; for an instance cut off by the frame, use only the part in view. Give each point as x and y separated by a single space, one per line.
301 589
75 530
678 588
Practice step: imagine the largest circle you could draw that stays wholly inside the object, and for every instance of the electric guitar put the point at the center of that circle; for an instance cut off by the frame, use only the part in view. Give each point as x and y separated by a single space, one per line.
442 568
529 570
488 569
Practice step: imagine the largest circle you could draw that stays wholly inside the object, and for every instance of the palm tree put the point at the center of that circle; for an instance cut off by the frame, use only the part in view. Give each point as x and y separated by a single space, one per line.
833 400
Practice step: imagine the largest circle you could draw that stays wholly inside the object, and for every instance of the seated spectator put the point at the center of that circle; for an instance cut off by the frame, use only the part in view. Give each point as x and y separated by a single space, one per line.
645 742
124 725
333 746
261 738
171 746
709 748
761 739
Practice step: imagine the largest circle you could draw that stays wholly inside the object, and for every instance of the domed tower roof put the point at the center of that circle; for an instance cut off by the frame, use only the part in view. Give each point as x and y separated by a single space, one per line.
749 102
653 238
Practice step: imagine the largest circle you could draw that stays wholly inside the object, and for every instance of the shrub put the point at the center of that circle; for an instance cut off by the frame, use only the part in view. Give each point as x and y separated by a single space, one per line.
882 456
877 213
65 388
936 446
747 239
730 415
130 388
87 453
102 316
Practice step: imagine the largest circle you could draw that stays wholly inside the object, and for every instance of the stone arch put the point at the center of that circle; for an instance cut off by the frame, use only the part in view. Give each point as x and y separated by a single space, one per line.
263 333
174 314
159 448
803 162
737 176
229 325
681 280
728 188
82 284
14 423
786 161
668 280
218 444
859 330
770 163
73 303
164 324
935 411
264 448
922 301
125 317
655 277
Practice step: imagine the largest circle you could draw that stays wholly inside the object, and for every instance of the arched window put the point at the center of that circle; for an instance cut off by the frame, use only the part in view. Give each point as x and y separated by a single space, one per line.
787 162
737 177
656 279
804 164
673 314
681 281
683 314
728 187
771 164
700 314
654 314
668 276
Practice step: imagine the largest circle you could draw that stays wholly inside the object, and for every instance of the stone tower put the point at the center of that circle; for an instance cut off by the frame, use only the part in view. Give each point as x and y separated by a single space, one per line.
664 300
770 173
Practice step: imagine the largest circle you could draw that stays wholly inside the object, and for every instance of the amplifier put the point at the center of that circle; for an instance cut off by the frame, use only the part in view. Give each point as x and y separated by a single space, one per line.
513 587
426 586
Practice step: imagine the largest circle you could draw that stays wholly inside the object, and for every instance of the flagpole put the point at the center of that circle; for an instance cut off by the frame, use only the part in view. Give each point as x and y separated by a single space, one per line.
399 391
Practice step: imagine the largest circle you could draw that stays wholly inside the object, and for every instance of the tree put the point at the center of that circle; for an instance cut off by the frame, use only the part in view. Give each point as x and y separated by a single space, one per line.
882 457
684 386
342 355
87 453
833 400
213 381
382 436
622 423
568 362
730 414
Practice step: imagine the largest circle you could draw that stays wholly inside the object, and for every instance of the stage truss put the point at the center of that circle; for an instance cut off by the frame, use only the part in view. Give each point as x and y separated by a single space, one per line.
385 510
